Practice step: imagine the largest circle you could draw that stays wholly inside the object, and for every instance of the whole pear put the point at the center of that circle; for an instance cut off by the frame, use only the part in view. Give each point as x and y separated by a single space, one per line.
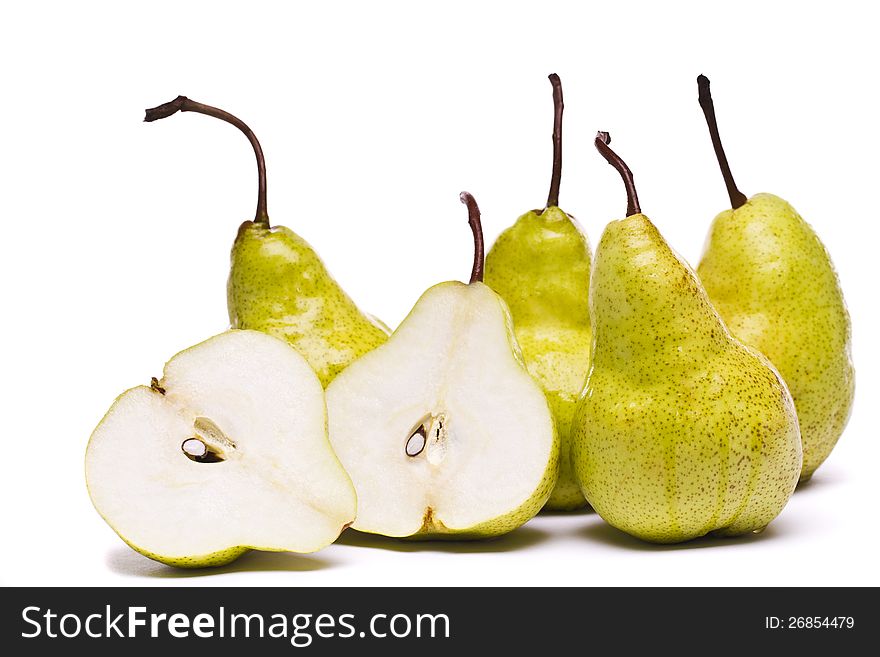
541 267
773 282
278 283
682 430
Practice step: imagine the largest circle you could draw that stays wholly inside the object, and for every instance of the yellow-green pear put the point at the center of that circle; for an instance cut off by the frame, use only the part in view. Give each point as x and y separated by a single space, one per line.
682 430
279 285
442 429
541 267
773 282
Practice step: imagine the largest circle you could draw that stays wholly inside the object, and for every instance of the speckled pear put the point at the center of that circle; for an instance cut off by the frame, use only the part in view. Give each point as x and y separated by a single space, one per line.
278 284
541 267
773 282
682 430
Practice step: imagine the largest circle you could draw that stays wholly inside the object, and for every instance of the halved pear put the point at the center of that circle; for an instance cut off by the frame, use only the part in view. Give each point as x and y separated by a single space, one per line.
442 429
228 452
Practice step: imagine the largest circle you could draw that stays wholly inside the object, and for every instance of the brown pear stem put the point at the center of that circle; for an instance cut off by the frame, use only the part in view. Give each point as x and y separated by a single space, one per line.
737 198
477 229
184 104
556 177
632 198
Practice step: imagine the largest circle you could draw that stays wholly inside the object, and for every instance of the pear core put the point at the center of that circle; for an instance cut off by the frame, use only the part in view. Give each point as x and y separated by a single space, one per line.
431 434
209 444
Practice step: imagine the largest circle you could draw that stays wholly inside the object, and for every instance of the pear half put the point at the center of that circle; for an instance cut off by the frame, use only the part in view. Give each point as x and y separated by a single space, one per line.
442 429
228 452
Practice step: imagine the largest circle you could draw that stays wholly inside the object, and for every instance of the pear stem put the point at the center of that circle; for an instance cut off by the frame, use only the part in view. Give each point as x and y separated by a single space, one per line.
477 229
556 177
632 198
184 104
737 198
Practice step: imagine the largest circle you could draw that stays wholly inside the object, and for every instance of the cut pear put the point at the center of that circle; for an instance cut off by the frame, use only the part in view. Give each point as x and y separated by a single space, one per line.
228 452
442 429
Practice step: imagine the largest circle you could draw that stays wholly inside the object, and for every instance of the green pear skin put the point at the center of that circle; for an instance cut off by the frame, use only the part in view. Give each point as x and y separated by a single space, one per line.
279 285
772 281
540 266
682 430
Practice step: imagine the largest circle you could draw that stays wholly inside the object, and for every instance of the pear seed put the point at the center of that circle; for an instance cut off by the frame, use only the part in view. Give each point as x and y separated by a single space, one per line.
194 448
416 442
197 450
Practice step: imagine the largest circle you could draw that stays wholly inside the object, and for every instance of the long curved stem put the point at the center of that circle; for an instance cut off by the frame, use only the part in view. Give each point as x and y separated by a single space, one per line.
556 177
184 104
737 198
477 229
602 141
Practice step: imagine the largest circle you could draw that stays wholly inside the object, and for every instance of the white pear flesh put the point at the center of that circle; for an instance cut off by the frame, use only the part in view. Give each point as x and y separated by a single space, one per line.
488 458
272 483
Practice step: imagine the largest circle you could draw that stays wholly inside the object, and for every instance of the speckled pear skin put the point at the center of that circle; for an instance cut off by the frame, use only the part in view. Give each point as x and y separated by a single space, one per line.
540 266
279 285
682 430
213 560
773 282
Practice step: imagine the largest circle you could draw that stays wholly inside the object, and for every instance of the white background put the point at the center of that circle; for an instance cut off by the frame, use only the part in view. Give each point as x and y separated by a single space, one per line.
373 117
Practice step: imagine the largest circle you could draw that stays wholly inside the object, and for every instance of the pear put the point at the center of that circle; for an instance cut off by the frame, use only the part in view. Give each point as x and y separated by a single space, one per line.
540 266
682 430
442 429
279 285
227 452
773 282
